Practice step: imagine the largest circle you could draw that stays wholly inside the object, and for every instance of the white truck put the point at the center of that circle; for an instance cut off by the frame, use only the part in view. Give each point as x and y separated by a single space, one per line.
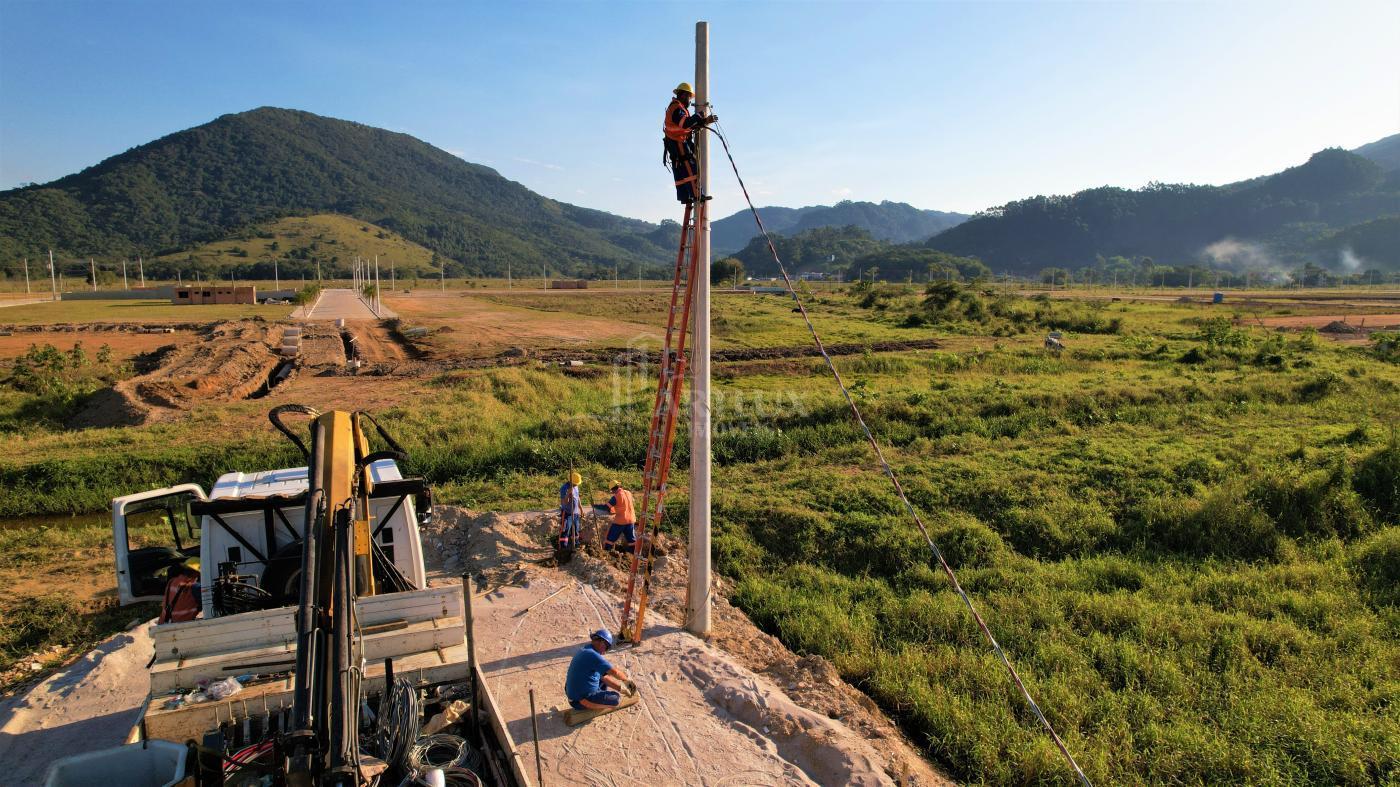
315 664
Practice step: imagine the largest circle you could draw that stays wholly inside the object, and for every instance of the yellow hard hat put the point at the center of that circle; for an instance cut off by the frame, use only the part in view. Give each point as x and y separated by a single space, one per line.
615 484
575 478
683 87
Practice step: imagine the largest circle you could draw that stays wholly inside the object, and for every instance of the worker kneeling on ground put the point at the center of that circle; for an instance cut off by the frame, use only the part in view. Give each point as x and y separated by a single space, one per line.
624 518
589 673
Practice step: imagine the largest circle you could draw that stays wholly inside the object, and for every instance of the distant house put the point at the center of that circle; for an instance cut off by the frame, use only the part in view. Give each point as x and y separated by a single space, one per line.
203 295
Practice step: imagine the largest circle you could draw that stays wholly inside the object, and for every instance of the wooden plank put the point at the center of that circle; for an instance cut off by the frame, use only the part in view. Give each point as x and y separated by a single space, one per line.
424 635
573 718
498 726
192 721
265 628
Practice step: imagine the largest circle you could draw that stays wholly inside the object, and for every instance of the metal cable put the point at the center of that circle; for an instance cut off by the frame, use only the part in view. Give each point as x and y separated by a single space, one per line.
889 471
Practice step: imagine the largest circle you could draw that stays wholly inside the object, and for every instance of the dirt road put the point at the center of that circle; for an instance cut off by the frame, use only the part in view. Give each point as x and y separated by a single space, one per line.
340 304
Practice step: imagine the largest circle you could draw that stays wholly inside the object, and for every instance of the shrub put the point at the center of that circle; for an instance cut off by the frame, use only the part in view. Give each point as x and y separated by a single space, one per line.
1376 561
965 541
1377 480
1225 524
1058 527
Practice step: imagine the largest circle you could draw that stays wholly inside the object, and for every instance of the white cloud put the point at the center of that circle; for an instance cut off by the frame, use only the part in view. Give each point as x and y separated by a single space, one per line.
844 191
532 162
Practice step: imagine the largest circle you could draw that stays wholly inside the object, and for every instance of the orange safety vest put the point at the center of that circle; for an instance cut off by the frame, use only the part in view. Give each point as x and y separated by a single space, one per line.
182 600
623 511
676 132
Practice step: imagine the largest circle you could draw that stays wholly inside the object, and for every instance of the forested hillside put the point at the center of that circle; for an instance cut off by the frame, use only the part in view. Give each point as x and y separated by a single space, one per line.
1287 215
891 221
201 184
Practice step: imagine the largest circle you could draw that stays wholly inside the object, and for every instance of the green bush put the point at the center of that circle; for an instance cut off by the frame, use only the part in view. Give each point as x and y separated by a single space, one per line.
1377 480
1225 524
1376 561
965 541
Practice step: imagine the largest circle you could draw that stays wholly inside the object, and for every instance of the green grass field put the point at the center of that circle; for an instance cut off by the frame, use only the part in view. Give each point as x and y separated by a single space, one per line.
1185 533
54 312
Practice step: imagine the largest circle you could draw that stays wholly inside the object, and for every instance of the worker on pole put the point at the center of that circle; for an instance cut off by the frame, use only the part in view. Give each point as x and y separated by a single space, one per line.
679 127
624 518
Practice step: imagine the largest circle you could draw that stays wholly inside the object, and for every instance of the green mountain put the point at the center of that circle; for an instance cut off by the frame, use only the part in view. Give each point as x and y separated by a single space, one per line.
1273 221
890 221
1385 152
201 184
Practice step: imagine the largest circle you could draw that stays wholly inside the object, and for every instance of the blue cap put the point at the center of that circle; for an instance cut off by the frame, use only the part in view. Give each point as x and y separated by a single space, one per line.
604 636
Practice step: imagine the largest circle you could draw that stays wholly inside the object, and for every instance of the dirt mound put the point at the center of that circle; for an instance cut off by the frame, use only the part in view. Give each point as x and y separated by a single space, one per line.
514 549
1337 326
229 361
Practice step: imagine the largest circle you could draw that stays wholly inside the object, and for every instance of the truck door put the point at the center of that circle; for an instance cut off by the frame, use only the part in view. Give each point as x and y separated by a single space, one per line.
151 532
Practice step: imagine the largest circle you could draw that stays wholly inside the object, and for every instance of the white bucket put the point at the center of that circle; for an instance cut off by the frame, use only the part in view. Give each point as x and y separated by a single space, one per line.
147 764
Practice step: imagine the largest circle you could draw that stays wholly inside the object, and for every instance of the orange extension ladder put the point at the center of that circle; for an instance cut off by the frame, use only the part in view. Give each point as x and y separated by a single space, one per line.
665 408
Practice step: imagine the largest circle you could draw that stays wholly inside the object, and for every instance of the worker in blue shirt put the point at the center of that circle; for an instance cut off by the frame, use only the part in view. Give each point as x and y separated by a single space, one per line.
593 683
570 510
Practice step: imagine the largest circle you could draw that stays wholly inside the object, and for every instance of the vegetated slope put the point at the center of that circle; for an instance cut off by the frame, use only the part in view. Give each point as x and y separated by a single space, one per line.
891 221
298 244
1178 223
1370 243
822 249
199 184
1385 152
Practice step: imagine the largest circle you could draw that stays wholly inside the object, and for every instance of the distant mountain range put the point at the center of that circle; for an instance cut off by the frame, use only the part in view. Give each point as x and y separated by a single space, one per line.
1282 220
207 182
227 179
896 222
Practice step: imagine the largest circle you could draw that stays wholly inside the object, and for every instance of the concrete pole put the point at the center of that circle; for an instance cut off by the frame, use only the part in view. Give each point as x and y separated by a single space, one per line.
53 275
92 266
141 269
124 284
26 275
276 276
698 616
376 285
393 278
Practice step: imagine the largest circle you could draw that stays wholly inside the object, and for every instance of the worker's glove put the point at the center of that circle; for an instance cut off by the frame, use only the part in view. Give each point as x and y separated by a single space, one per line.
631 687
711 119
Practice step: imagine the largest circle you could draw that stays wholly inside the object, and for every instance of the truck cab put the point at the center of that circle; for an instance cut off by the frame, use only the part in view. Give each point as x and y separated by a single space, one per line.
245 537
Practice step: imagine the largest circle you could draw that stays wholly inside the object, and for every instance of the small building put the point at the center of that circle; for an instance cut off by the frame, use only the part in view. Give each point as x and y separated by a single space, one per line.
214 294
568 284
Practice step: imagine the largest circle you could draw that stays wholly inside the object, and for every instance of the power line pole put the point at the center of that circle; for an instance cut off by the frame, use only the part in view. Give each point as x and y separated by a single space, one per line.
53 275
393 279
442 276
141 268
124 284
92 266
698 617
26 275
376 285
276 276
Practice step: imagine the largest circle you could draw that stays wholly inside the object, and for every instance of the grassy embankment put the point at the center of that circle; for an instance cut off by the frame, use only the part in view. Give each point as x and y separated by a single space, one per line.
1187 535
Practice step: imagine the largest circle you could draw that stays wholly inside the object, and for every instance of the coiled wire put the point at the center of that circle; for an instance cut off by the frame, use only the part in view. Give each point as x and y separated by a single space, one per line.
443 751
397 726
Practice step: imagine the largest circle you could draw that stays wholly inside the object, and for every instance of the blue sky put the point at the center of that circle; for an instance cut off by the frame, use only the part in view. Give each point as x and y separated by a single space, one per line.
943 105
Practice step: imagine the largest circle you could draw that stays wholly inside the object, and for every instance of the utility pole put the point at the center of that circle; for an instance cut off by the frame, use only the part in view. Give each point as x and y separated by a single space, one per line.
53 275
509 286
442 276
698 615
92 266
393 279
276 276
141 268
318 273
26 275
124 285
376 285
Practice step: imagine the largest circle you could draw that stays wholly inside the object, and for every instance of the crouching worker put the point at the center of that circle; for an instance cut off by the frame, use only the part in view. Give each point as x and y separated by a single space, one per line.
593 683
624 518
